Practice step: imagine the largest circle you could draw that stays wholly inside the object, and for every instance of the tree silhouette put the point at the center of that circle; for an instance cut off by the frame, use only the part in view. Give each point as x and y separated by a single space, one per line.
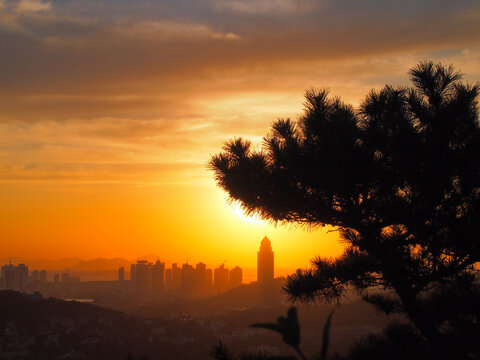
398 177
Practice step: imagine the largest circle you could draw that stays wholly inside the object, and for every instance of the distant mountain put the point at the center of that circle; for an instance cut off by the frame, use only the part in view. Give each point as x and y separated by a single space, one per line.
76 264
100 264
148 257
47 264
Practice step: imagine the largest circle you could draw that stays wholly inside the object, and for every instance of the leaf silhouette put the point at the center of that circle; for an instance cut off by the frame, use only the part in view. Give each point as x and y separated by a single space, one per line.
288 327
326 336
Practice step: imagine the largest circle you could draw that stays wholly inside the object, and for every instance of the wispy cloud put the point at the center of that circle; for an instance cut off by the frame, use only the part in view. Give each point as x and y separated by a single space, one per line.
124 83
170 30
32 6
253 7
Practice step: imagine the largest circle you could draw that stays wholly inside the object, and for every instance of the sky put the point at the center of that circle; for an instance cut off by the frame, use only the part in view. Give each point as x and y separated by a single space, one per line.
110 111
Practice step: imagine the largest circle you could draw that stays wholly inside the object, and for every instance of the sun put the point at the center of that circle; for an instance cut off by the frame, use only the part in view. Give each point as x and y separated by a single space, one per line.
249 219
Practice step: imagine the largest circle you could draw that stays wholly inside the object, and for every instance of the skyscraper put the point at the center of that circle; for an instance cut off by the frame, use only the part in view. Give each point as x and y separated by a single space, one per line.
20 277
168 279
121 273
176 276
265 261
188 278
201 278
158 275
7 276
235 277
132 272
34 275
142 276
220 278
42 275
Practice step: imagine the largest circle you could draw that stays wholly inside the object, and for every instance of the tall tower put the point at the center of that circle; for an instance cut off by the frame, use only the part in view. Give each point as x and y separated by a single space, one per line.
265 261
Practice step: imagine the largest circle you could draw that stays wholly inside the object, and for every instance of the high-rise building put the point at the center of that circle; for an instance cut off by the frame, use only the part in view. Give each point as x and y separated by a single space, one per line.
56 278
34 275
265 261
16 277
7 276
142 276
146 276
158 274
204 278
168 279
176 277
188 278
42 275
132 272
20 277
209 277
235 277
220 278
121 273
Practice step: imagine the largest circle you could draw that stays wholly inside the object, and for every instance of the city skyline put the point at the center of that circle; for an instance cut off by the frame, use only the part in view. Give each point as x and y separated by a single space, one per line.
109 264
155 276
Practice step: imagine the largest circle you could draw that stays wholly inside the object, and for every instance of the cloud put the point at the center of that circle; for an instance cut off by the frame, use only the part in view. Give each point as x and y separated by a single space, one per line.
99 172
266 6
170 30
166 83
33 6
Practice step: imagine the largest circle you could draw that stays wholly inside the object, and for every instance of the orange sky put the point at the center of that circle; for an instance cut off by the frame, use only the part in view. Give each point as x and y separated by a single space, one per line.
109 112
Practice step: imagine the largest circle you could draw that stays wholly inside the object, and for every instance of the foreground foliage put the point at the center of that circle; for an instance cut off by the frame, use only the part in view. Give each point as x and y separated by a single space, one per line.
399 177
289 328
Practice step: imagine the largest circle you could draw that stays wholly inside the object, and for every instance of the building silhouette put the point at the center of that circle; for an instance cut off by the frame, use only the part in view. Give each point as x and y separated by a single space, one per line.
20 277
173 278
34 275
188 279
147 276
141 275
209 280
14 277
265 261
7 276
17 277
42 275
158 275
132 272
121 273
202 281
168 279
235 277
176 276
220 278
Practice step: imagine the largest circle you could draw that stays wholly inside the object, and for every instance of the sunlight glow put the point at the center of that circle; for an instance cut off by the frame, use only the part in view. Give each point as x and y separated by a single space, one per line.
249 219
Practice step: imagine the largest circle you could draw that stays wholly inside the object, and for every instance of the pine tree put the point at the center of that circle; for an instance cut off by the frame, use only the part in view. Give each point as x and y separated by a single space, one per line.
398 177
